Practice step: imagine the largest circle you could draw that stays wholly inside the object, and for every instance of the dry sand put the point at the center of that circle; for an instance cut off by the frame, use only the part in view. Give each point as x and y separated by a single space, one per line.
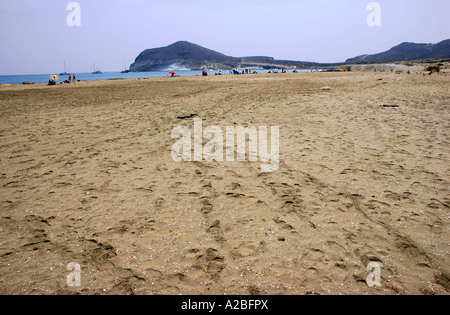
86 176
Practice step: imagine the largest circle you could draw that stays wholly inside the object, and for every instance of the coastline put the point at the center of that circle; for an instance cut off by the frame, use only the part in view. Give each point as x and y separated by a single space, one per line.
43 78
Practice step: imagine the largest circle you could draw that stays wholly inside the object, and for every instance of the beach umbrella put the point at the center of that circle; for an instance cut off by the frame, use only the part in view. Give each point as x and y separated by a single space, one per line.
172 72
54 77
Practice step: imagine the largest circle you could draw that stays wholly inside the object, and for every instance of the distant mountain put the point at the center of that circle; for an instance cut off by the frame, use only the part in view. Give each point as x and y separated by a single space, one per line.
181 55
185 55
407 52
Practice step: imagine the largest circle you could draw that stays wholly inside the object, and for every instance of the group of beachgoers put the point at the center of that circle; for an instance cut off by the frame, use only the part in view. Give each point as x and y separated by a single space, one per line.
53 79
250 71
244 71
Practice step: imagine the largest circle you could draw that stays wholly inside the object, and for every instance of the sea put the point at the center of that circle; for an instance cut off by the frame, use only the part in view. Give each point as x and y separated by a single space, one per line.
43 78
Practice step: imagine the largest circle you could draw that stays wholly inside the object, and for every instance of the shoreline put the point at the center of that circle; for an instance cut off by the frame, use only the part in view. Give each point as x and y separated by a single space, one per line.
414 69
403 66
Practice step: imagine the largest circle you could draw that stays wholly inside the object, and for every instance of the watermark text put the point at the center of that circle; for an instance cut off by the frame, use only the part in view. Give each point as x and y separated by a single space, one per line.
235 136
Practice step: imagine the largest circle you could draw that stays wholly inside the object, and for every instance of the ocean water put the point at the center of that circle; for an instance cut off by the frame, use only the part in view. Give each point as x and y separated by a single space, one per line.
43 78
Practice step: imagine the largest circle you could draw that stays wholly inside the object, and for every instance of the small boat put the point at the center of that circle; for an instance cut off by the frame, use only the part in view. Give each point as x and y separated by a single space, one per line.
125 69
65 71
96 71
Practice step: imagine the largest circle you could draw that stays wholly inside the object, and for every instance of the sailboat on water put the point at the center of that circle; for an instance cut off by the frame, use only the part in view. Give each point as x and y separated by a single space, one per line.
125 69
65 70
96 71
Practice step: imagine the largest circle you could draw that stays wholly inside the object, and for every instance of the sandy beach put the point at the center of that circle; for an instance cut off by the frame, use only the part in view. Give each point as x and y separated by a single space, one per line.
87 176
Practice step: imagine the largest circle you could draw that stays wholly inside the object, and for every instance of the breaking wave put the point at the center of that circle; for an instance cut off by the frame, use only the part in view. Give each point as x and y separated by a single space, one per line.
176 67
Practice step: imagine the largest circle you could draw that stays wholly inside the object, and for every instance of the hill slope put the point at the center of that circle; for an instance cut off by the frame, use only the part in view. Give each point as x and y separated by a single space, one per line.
179 54
407 52
187 55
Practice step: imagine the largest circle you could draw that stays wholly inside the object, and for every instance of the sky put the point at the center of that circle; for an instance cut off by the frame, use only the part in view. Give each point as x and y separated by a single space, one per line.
35 37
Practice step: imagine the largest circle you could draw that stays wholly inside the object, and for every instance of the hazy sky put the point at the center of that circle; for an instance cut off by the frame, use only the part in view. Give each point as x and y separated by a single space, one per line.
35 37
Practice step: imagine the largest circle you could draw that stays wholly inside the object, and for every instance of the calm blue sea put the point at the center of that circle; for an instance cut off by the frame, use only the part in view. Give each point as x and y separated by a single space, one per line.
43 78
